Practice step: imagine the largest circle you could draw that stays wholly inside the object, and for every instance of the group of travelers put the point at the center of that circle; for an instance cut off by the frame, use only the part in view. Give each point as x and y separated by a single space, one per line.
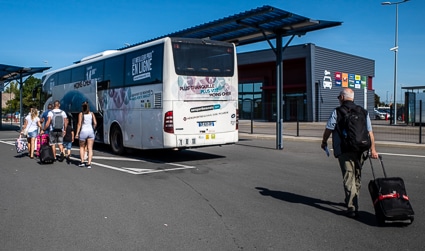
350 157
62 138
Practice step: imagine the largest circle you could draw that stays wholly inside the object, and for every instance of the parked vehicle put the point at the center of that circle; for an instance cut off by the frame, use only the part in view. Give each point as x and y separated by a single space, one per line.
8 116
389 112
380 114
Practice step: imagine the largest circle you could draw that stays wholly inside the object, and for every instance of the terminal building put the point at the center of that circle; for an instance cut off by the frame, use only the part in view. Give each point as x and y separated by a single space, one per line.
313 76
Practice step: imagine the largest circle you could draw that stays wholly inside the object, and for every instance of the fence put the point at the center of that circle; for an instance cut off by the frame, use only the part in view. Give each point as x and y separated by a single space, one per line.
382 130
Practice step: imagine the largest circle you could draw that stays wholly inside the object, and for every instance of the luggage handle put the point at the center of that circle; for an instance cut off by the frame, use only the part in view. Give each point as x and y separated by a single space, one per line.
382 165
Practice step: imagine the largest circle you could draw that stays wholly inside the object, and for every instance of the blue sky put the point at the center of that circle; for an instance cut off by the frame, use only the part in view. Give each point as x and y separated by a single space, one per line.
57 33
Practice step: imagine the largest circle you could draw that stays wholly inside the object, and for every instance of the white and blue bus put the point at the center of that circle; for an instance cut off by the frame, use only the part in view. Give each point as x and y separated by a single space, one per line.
172 93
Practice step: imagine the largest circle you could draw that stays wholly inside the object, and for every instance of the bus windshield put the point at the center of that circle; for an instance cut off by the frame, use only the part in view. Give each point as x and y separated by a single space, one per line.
203 59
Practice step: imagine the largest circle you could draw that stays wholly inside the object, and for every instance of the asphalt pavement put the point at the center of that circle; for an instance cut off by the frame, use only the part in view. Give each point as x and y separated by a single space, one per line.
244 196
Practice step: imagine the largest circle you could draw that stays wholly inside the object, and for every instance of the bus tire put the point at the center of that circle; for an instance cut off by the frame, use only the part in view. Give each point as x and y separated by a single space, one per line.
116 141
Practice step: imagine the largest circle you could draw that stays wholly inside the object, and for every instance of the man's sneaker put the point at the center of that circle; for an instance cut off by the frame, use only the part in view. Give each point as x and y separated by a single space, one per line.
88 165
82 164
352 214
61 157
68 158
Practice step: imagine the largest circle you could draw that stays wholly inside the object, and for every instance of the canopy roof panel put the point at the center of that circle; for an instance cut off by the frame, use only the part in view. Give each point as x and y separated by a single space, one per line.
252 26
10 72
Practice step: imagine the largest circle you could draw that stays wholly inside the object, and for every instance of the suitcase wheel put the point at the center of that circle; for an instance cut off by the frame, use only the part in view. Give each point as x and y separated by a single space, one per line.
411 218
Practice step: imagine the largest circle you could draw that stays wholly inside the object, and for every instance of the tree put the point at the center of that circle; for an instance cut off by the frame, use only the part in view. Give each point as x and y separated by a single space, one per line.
27 89
27 100
377 100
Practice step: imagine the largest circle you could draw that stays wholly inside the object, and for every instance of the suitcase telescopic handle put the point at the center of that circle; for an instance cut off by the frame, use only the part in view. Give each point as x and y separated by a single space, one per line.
382 165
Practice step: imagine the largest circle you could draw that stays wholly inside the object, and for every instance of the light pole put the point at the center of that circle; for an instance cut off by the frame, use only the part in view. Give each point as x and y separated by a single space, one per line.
387 98
395 49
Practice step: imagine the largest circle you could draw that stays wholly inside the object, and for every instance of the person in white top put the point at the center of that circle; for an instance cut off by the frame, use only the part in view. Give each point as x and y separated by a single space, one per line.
85 133
56 135
31 125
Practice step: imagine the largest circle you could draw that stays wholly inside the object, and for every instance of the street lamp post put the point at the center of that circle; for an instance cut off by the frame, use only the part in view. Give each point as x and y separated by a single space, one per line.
395 49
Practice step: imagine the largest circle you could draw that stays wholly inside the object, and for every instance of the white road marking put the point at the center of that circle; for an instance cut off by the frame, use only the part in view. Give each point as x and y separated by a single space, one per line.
403 155
136 171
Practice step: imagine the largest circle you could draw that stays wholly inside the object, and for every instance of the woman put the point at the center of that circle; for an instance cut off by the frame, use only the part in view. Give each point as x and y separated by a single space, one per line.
31 125
85 133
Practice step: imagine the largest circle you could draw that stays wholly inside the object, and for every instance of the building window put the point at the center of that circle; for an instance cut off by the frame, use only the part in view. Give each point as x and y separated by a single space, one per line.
251 100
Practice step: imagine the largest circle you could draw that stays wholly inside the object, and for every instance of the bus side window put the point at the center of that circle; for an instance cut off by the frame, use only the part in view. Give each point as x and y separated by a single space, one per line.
114 71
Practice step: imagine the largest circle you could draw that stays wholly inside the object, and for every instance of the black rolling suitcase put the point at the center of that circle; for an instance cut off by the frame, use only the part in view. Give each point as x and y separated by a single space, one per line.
389 198
46 154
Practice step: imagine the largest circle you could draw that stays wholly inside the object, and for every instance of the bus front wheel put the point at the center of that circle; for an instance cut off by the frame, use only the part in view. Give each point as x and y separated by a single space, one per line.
117 144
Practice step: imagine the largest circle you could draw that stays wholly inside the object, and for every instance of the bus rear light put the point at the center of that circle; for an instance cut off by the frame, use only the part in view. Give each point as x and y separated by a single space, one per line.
169 122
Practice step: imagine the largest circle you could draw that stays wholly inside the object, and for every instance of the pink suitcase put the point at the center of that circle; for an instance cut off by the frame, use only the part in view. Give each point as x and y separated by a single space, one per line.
41 139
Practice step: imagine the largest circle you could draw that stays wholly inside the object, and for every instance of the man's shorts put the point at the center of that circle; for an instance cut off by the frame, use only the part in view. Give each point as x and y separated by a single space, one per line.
55 137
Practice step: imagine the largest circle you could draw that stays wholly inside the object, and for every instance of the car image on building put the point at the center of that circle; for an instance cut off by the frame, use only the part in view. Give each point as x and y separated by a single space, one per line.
327 82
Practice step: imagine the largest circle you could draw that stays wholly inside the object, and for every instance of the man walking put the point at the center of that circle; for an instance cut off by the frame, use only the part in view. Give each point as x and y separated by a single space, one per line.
44 117
56 123
350 154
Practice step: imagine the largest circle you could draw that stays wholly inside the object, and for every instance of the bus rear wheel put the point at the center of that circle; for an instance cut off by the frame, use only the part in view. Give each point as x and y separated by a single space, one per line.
117 144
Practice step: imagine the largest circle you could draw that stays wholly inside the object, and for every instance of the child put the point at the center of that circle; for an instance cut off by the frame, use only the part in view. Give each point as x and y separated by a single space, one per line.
68 139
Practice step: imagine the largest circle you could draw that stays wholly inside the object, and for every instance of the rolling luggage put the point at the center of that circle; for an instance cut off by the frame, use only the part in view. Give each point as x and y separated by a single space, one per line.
41 139
46 154
21 144
389 198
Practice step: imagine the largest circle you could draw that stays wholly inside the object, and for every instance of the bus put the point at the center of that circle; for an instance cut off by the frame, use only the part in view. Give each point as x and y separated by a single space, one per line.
171 93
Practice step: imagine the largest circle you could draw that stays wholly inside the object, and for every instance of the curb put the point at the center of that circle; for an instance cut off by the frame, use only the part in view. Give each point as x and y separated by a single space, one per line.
316 139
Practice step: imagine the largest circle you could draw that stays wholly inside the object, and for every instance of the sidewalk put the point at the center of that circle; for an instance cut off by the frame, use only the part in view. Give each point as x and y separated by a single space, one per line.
308 131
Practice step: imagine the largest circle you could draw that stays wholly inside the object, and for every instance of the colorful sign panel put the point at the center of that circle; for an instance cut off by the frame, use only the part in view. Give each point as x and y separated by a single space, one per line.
343 79
364 82
351 79
338 79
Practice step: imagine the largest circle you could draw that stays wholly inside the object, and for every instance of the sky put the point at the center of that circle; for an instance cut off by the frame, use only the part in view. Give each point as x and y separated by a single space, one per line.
56 33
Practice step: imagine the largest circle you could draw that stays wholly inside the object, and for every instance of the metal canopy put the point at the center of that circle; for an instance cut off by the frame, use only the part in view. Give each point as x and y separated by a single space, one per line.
253 26
413 88
10 72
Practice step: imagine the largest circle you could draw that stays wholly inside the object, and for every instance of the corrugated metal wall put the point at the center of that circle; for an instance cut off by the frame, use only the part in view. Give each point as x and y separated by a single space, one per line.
328 62
320 101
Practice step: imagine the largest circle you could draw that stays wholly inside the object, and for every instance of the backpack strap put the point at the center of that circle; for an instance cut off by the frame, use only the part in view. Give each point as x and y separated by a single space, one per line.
341 112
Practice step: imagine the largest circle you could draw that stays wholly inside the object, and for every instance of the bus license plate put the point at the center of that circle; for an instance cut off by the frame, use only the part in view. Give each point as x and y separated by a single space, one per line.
205 123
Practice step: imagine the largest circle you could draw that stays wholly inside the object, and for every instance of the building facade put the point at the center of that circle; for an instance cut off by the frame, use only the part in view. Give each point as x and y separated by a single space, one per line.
313 76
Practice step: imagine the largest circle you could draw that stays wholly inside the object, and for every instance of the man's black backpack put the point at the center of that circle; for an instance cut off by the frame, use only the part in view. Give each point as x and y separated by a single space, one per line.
352 128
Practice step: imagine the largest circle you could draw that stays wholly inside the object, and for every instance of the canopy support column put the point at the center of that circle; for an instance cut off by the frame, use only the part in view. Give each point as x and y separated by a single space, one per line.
279 94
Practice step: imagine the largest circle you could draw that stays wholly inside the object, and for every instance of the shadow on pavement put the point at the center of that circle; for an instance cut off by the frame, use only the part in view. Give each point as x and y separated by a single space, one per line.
328 206
9 127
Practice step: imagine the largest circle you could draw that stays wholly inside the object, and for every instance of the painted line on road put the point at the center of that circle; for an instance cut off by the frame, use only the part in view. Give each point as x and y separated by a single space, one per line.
136 171
403 155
